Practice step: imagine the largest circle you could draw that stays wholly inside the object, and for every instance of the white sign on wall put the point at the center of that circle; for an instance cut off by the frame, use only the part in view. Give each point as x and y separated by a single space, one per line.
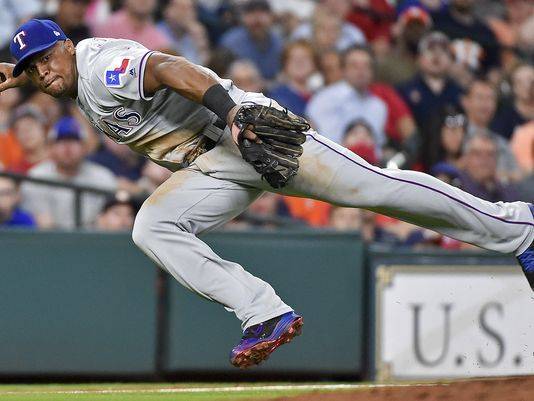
453 321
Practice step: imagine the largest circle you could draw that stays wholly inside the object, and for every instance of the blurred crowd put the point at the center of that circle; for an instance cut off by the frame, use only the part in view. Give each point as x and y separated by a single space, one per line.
444 87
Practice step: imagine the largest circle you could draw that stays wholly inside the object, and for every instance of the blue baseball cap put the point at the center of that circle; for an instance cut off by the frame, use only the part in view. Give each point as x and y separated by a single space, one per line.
66 128
33 37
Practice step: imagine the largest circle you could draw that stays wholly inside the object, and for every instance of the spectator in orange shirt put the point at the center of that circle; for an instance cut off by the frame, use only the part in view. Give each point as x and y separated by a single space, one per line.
10 151
29 128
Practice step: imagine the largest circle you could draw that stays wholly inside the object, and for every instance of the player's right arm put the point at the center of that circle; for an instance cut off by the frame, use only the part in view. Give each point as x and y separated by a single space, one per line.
7 80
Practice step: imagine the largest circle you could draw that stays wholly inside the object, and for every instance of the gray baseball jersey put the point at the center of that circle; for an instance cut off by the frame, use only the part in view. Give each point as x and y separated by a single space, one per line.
164 127
219 184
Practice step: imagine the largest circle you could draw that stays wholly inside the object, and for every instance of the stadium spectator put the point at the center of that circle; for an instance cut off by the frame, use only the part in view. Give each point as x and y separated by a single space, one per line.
400 63
256 39
246 76
54 207
70 16
118 213
526 40
522 145
431 90
334 107
315 213
347 219
11 215
525 188
266 209
10 150
459 22
121 161
507 27
328 31
12 15
134 21
447 146
152 176
521 109
479 175
359 138
298 67
187 35
400 128
374 17
330 67
29 129
480 103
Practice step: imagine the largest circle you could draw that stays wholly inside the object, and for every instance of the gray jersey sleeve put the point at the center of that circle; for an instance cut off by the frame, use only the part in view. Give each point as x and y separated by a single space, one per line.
120 68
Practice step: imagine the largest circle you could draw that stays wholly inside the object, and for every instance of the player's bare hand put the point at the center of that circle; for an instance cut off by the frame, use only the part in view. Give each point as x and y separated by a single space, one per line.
248 134
7 80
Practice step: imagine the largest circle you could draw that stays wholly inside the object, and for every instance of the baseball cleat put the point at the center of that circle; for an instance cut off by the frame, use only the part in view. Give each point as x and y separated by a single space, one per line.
526 260
260 340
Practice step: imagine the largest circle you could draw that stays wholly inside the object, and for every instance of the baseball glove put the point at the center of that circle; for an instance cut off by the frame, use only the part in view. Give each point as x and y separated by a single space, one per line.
281 134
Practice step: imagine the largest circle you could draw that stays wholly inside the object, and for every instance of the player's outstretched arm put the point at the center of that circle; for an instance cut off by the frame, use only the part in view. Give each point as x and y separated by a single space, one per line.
7 80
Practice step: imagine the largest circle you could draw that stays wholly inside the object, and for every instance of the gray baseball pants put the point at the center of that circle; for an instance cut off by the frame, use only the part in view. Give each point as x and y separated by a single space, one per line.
220 185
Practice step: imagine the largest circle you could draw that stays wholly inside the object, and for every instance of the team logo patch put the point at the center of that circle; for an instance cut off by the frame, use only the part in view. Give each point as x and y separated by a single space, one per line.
115 74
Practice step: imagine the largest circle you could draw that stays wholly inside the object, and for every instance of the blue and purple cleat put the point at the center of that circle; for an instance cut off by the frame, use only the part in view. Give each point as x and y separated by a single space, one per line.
260 340
526 260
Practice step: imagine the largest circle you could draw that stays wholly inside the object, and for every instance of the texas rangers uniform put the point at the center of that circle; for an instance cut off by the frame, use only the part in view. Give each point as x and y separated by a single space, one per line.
212 184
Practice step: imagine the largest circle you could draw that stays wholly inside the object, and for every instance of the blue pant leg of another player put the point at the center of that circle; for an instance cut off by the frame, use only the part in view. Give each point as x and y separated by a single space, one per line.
526 259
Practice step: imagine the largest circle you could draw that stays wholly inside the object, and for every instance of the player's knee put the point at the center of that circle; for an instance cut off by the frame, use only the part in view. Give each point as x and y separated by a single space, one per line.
141 228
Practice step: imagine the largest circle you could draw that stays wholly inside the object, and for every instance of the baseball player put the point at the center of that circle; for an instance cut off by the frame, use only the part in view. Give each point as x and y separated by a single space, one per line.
225 147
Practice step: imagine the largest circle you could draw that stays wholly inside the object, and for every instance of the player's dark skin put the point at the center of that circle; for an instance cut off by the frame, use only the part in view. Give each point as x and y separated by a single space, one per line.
54 72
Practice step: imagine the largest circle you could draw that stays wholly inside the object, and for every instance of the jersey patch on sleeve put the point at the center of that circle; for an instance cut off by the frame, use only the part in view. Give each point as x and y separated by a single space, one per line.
116 73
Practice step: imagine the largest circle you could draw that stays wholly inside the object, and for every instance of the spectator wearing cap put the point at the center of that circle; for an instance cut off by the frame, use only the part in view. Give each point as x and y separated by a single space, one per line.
458 21
400 63
118 213
431 91
328 31
29 129
70 16
256 39
298 67
134 21
187 35
11 215
333 108
54 207
480 103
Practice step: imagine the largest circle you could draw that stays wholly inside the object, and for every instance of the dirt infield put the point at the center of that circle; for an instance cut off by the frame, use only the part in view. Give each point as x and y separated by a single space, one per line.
499 389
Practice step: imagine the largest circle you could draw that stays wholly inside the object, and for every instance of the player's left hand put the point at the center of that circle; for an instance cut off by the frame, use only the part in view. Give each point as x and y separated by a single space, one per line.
247 134
270 139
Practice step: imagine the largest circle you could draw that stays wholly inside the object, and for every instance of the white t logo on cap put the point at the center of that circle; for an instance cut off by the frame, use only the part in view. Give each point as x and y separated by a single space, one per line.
18 39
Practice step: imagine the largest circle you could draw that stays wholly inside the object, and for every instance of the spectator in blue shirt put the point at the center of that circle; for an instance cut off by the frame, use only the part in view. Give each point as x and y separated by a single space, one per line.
298 66
431 91
256 40
187 35
10 214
